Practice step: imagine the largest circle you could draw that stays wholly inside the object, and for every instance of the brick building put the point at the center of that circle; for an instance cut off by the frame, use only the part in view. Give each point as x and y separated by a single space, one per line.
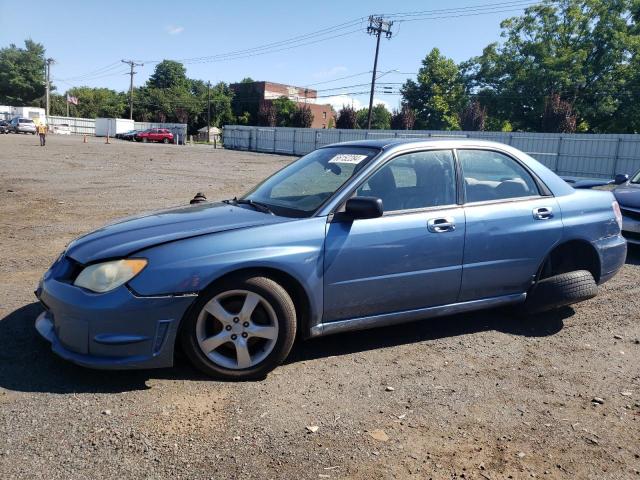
248 96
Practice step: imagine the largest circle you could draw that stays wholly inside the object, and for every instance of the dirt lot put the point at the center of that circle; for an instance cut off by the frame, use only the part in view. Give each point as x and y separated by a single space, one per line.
478 396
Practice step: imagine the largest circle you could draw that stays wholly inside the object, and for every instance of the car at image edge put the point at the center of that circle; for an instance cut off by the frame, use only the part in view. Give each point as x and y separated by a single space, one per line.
351 236
627 193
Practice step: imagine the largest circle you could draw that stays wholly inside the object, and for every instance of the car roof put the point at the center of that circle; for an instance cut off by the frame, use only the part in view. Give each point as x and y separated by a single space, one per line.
443 141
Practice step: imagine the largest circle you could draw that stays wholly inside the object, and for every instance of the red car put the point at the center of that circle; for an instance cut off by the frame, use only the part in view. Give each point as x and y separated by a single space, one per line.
155 135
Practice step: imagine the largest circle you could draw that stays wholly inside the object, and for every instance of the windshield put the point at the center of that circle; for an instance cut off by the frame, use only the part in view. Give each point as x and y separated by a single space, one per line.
301 187
636 178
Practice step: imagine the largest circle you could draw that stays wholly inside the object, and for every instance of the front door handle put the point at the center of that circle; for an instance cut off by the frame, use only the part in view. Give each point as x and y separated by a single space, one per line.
441 225
542 213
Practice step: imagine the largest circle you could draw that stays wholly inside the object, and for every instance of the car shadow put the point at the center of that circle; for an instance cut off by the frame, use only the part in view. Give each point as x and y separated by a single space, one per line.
28 365
500 320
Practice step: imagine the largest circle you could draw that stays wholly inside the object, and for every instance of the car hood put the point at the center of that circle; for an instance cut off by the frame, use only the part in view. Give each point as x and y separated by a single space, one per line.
132 234
628 195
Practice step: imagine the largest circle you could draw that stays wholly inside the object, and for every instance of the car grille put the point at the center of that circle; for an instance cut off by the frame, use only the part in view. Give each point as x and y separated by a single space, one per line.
631 213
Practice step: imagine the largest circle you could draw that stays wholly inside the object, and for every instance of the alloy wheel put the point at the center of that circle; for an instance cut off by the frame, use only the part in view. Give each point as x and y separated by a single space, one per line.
237 329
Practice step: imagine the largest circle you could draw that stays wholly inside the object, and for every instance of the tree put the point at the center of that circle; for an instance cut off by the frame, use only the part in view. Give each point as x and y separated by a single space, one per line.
347 118
473 117
380 118
403 119
558 115
284 108
21 73
579 49
267 115
97 102
170 96
168 74
302 117
438 93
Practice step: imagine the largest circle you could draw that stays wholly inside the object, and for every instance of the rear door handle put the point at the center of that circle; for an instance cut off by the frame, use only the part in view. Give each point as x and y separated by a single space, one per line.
542 213
441 225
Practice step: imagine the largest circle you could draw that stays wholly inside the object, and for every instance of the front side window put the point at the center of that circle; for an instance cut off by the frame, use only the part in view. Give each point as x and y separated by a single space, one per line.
636 178
301 187
491 175
414 180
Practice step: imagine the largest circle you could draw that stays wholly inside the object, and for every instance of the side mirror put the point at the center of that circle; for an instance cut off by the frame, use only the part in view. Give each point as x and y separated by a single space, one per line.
621 178
363 207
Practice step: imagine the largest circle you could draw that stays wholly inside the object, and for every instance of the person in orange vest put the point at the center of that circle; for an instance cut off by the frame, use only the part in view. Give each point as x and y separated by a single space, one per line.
42 132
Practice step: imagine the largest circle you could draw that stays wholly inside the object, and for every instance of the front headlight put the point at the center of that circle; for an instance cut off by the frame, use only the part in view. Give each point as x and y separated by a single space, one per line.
103 277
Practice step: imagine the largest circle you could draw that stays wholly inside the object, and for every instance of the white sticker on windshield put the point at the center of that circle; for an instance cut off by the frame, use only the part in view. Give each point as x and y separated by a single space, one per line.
348 158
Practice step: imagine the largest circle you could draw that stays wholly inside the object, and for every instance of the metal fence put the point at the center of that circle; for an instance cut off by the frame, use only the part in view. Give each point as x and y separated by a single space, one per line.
87 126
580 155
78 126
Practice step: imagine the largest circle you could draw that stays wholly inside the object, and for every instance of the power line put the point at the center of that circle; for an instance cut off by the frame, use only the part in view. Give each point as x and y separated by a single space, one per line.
94 73
440 11
325 32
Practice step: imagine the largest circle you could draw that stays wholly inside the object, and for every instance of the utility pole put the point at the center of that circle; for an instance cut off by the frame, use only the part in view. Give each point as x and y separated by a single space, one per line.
208 112
131 64
47 67
377 26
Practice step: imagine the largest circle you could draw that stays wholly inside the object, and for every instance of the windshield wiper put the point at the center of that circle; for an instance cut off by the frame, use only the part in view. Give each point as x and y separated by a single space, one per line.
261 207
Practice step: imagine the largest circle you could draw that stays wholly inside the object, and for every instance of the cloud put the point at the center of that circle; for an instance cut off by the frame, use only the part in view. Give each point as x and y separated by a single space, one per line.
331 72
175 29
338 101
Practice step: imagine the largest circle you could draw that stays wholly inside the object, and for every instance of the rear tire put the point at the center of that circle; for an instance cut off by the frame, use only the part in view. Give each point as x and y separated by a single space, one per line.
559 291
240 329
165 140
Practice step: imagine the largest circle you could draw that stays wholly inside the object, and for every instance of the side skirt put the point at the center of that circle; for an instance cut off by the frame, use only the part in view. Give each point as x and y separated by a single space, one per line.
386 319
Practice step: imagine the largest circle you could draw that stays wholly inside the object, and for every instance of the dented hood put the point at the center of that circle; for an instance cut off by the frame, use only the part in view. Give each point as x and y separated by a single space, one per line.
132 234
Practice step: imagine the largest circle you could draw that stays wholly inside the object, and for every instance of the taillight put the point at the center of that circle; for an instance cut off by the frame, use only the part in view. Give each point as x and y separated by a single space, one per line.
617 213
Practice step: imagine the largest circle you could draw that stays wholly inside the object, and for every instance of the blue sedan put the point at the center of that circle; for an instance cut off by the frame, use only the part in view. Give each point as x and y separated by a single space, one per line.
351 236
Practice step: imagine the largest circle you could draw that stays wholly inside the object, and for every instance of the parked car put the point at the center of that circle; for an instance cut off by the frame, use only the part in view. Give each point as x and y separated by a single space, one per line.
154 135
351 236
62 129
22 125
4 126
130 135
627 193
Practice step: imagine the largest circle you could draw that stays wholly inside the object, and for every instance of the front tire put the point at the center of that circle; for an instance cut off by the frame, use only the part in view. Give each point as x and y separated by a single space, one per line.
145 140
240 329
165 140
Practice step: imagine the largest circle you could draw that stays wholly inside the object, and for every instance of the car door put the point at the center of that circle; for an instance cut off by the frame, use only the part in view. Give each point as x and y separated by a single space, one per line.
411 257
510 224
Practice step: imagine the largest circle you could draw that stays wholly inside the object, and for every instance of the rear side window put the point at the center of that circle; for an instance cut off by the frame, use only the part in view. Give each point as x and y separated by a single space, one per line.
415 180
491 175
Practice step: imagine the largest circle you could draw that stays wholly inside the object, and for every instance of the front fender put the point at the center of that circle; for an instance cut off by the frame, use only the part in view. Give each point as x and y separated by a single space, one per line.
190 265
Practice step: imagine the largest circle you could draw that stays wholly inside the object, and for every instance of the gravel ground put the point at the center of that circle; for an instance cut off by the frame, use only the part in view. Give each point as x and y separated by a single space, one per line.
476 396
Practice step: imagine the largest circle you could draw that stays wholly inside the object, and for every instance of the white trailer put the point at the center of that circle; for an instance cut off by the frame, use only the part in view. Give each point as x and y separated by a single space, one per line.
112 126
34 113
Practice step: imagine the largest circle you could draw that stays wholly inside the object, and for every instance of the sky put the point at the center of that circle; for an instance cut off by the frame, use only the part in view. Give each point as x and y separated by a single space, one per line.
87 40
